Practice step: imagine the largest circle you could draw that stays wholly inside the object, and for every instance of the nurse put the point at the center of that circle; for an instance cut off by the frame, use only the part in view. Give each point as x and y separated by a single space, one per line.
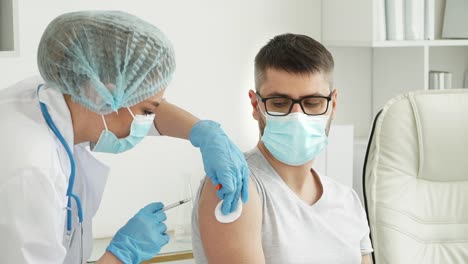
104 74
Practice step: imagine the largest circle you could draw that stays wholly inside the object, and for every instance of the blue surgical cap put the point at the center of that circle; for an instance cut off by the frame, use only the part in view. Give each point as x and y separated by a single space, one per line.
105 60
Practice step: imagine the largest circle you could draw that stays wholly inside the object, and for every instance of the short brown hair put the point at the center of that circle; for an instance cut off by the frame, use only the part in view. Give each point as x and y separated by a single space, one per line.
293 53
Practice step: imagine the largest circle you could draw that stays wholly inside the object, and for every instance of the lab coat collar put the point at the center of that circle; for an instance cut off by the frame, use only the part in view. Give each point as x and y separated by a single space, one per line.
61 116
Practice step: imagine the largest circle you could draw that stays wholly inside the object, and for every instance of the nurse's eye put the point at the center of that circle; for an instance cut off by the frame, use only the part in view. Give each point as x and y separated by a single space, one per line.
147 112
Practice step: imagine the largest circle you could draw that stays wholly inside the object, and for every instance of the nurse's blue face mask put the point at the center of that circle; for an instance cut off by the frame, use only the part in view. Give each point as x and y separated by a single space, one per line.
109 143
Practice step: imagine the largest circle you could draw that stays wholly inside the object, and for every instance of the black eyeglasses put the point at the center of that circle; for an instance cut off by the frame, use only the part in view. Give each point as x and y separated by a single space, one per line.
310 105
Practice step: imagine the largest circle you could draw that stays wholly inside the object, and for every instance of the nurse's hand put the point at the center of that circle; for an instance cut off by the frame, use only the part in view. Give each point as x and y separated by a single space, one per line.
223 161
142 237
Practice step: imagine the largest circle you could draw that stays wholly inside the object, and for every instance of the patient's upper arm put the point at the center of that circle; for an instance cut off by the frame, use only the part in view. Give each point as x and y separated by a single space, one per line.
366 259
236 242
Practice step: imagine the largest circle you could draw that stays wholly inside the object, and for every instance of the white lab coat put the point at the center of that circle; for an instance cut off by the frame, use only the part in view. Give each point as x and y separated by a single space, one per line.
34 172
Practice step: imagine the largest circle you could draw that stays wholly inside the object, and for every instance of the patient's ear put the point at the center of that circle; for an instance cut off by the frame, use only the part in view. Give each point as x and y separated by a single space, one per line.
254 103
333 103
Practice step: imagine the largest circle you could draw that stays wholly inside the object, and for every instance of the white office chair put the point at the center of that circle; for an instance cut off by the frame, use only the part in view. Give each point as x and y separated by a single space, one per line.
416 179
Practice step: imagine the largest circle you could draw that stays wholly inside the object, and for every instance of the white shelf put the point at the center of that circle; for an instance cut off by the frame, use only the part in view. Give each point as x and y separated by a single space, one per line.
391 67
422 43
403 43
8 54
356 24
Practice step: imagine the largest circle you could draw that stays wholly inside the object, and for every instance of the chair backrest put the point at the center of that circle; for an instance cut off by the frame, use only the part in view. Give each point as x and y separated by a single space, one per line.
416 179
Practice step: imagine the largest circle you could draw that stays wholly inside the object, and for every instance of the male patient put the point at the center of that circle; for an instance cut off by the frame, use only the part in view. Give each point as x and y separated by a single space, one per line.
295 214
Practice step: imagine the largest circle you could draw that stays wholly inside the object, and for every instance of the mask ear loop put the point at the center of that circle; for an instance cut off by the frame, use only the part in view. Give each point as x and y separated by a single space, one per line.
131 112
104 121
263 113
259 101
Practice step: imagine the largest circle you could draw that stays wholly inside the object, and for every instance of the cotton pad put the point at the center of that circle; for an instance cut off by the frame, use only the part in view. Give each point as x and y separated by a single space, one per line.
229 218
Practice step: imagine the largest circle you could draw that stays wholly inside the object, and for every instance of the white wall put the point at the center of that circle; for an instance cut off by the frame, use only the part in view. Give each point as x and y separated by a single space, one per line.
215 43
353 81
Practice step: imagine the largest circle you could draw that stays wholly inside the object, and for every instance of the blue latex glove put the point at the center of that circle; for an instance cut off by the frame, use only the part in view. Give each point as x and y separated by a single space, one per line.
224 163
142 237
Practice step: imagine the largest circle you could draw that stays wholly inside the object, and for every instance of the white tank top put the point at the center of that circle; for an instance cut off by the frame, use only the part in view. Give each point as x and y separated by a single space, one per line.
333 230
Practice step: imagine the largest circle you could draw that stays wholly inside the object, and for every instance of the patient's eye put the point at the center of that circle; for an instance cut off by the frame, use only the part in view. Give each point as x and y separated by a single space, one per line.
314 102
279 102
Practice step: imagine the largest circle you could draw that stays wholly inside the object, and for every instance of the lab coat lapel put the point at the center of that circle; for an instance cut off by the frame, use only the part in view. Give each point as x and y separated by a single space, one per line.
89 186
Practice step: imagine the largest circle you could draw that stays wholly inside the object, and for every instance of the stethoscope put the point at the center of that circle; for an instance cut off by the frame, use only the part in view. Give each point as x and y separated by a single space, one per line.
71 180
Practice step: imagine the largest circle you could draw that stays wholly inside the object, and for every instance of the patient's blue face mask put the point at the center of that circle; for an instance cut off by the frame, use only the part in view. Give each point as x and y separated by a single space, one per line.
296 138
109 143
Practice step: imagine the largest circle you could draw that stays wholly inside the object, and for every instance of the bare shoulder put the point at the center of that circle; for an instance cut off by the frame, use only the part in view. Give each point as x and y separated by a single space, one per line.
237 242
